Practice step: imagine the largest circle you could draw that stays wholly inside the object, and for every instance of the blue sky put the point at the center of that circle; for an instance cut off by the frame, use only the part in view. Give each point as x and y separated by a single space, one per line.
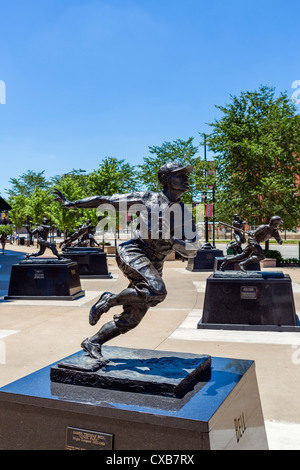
87 79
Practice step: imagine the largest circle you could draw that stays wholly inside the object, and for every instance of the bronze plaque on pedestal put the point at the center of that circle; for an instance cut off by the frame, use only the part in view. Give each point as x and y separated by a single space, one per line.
82 439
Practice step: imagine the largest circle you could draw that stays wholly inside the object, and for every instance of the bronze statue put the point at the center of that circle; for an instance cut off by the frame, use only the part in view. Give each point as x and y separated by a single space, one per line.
42 232
141 259
88 238
253 251
84 235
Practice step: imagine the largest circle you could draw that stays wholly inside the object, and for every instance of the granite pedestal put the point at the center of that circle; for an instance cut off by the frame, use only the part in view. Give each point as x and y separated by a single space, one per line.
45 279
204 260
249 301
221 412
93 249
92 262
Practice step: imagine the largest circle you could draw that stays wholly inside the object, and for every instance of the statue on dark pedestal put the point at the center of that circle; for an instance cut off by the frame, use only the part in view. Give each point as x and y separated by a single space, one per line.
84 235
253 251
142 258
42 232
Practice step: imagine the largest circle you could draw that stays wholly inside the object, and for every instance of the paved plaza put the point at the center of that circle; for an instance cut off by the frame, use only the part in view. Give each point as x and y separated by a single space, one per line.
34 334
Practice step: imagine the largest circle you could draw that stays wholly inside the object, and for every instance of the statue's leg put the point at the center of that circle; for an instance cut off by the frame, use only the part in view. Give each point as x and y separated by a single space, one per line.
134 294
146 287
93 344
37 253
51 247
258 254
236 258
123 322
54 250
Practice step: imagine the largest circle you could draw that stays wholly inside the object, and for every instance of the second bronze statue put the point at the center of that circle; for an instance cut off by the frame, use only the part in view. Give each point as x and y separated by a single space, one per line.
253 252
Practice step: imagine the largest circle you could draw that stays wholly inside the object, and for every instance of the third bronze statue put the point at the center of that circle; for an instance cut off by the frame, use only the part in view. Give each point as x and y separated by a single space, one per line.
141 259
83 235
253 251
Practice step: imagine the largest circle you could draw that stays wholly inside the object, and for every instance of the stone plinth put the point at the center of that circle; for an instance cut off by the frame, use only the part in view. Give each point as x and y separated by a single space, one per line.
46 279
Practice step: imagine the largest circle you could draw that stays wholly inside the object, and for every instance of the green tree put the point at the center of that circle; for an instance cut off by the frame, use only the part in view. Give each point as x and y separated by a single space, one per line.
257 143
179 150
29 197
36 206
18 214
26 183
113 176
67 219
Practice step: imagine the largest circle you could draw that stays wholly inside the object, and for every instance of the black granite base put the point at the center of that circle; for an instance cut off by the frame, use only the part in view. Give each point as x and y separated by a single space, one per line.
221 413
93 249
235 266
136 370
204 261
261 301
44 279
92 262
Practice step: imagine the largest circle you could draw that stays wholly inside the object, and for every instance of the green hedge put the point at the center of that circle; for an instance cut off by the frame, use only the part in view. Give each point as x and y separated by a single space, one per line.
274 254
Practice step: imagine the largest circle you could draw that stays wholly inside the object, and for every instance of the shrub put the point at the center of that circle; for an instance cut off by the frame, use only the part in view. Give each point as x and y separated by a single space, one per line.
274 254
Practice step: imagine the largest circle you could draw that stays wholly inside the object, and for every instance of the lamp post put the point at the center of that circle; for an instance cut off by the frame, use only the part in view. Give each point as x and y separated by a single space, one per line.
205 196
213 215
205 200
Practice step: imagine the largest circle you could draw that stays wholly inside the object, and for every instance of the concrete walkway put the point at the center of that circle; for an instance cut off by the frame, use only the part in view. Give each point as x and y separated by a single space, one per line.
34 334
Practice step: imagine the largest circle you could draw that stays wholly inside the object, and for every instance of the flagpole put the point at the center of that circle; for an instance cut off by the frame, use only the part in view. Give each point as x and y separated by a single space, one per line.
213 214
205 203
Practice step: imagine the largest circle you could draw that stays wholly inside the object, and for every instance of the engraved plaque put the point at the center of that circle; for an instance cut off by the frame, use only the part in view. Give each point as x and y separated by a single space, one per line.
82 439
39 274
248 292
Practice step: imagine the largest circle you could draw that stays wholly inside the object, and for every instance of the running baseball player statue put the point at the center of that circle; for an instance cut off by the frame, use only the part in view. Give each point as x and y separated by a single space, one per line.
253 251
141 259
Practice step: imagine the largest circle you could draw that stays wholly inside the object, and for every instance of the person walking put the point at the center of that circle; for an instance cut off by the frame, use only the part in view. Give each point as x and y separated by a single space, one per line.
3 240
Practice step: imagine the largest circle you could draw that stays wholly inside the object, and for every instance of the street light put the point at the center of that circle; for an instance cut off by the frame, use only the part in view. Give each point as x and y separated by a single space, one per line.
205 199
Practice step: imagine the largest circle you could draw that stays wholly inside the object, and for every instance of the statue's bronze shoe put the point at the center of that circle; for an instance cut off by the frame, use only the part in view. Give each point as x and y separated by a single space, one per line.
94 351
99 308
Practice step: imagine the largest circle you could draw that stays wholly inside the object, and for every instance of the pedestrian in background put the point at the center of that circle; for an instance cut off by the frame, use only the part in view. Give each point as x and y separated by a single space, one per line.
3 240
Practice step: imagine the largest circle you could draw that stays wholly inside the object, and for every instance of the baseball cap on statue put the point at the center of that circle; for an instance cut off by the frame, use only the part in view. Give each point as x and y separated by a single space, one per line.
172 167
276 219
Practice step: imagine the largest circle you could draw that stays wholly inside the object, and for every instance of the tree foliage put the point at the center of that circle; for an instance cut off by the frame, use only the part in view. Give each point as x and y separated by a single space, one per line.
18 213
37 205
113 176
26 183
66 219
257 147
179 150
